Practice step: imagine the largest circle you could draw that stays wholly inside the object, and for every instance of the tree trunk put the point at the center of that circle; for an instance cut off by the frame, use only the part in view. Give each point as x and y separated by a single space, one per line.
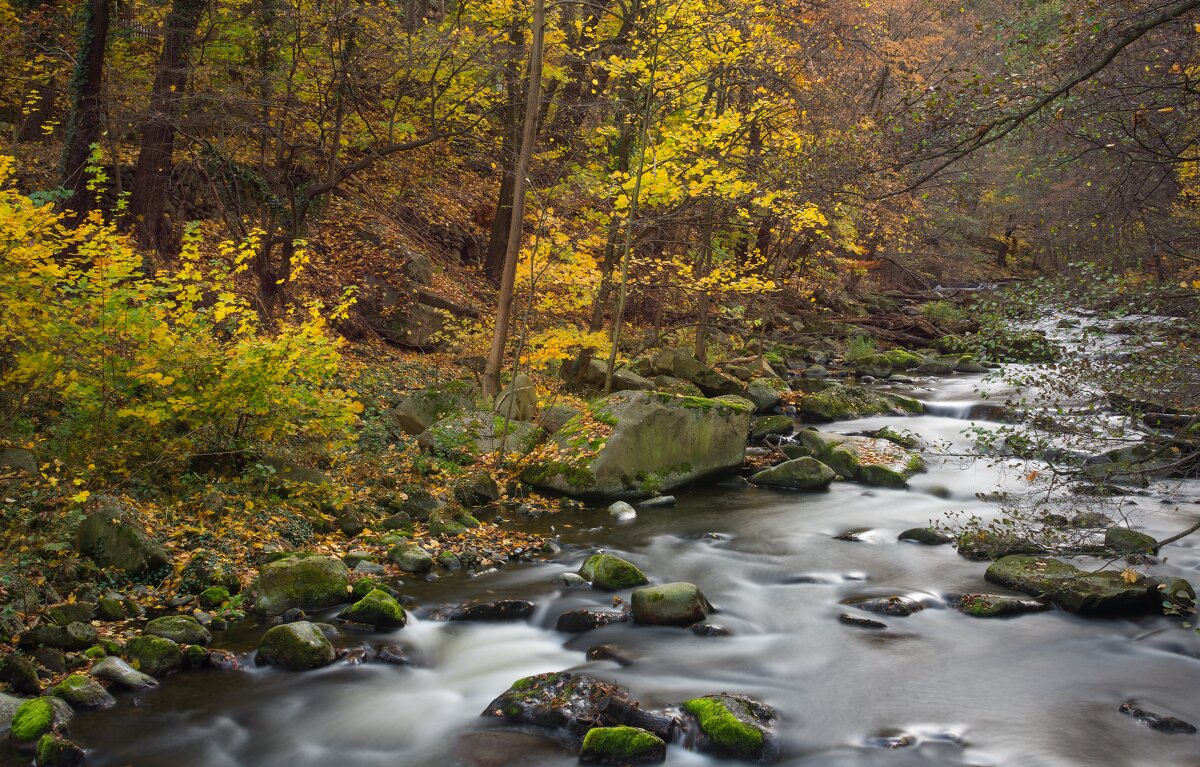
154 166
495 360
493 265
83 126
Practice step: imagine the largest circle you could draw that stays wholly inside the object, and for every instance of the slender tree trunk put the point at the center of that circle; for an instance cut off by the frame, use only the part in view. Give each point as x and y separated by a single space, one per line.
154 165
41 98
493 264
495 360
83 126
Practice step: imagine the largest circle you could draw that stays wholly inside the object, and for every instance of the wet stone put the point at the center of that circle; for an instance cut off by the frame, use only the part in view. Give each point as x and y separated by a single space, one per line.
895 606
865 623
1166 724
500 610
609 652
579 621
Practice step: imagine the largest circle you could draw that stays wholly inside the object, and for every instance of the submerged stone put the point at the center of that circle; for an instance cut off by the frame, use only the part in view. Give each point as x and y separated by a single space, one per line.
991 606
925 535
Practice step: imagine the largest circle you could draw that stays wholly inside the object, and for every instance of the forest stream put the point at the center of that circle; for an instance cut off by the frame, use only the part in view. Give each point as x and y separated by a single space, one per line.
934 688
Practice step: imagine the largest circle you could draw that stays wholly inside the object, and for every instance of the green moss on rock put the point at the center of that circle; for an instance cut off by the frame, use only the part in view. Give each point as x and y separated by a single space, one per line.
732 725
154 655
612 573
296 647
621 745
377 608
309 582
36 717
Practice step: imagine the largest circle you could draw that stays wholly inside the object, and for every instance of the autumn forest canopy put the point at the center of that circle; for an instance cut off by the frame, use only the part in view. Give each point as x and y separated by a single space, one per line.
298 297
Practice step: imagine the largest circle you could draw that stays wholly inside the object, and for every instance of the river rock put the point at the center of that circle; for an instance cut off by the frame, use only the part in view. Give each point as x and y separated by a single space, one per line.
304 581
462 439
20 674
83 692
623 379
154 655
925 535
622 745
37 717
73 612
518 401
120 673
991 606
673 385
766 393
111 537
18 459
658 502
411 558
733 726
296 646
1122 540
609 652
839 403
1075 590
994 544
1167 724
378 608
896 606
657 442
798 474
495 612
420 410
73 637
671 604
874 365
611 573
579 621
183 629
572 702
478 488
770 425
622 512
868 460
53 750
864 623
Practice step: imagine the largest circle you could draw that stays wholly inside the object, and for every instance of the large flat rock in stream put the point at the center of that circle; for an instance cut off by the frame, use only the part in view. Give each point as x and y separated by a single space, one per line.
634 444
1107 592
868 460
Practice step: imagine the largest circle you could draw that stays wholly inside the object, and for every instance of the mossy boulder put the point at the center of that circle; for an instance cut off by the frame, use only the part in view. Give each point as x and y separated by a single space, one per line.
877 365
37 717
305 581
1080 591
110 609
465 438
995 544
673 385
73 612
838 403
53 750
20 674
612 573
733 726
213 597
871 461
411 558
622 745
74 637
112 538
377 608
296 646
771 425
671 604
766 392
83 692
420 410
154 655
183 629
902 359
1122 540
636 444
797 474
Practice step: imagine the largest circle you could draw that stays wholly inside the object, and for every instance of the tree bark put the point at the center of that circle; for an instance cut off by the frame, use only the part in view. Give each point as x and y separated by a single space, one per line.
83 126
495 360
154 165
493 265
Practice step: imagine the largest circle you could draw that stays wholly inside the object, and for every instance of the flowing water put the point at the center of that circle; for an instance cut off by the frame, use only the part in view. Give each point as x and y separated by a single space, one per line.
1037 689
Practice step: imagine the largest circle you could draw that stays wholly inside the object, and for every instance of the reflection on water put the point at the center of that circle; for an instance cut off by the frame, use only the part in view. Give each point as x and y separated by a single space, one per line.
935 688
